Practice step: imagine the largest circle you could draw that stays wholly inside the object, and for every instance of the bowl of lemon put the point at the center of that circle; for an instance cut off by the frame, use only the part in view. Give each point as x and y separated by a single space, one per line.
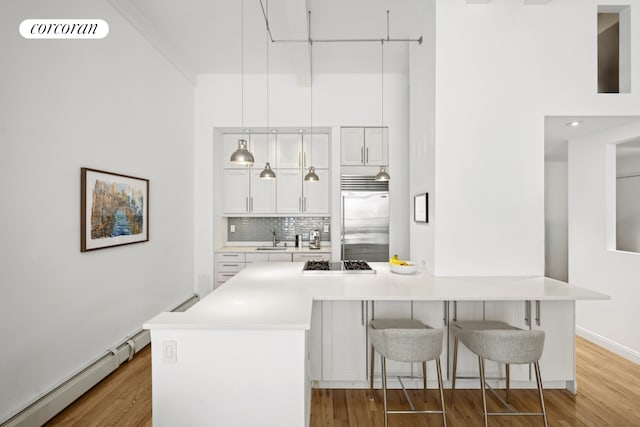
400 266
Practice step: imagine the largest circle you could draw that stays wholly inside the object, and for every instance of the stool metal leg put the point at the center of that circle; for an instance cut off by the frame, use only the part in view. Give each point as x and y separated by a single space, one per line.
508 377
371 373
539 382
439 369
384 390
455 368
424 379
484 392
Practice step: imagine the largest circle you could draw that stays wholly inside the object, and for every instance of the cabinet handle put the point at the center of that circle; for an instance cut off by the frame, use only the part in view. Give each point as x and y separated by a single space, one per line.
361 154
538 312
304 204
362 312
246 204
527 313
228 275
251 204
231 265
304 159
299 159
231 255
300 204
366 160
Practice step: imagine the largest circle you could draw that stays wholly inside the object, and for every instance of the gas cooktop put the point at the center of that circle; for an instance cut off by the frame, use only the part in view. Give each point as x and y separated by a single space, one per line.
346 267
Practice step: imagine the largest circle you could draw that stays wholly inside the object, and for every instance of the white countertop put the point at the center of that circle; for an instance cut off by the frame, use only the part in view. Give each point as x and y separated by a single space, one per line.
281 249
279 296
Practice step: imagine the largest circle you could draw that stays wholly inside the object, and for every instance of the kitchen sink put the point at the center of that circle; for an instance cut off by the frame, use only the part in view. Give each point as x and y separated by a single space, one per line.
271 248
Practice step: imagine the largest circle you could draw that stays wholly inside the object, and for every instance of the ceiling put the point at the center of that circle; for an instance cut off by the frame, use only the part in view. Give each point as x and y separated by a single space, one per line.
206 35
557 133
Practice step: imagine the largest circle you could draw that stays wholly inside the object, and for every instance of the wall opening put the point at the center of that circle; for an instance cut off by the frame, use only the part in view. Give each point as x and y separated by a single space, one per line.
627 200
614 49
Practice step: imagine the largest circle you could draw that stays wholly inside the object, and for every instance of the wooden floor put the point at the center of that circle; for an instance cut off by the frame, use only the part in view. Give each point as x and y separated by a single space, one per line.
608 395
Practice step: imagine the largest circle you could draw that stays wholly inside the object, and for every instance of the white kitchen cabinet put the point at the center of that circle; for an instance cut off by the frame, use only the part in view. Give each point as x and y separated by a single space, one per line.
289 151
228 264
262 198
364 146
296 196
262 146
236 191
315 194
315 151
315 256
268 257
289 192
344 341
557 320
389 310
245 193
315 342
432 313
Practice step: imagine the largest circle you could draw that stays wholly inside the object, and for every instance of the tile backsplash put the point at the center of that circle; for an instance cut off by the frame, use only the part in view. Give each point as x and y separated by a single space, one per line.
252 229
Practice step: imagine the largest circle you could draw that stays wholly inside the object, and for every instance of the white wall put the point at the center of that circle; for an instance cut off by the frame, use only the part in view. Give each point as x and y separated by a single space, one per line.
339 100
113 104
500 68
556 216
422 134
593 261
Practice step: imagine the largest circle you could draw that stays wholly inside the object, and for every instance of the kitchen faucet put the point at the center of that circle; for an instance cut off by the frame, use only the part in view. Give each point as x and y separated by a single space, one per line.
275 240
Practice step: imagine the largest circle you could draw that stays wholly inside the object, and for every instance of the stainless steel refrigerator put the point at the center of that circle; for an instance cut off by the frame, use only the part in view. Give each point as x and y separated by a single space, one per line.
365 218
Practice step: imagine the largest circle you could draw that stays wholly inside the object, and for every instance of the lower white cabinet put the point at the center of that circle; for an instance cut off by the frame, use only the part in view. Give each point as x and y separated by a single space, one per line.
557 320
344 341
389 310
317 256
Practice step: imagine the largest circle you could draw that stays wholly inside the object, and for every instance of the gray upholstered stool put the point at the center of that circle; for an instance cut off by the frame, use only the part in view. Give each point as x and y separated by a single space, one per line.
410 341
501 343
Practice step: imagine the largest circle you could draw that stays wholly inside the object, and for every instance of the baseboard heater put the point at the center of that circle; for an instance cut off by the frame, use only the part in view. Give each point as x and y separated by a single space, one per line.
52 403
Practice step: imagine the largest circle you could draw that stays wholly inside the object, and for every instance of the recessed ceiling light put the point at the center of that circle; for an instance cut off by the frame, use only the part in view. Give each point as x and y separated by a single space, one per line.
274 130
301 130
247 130
574 123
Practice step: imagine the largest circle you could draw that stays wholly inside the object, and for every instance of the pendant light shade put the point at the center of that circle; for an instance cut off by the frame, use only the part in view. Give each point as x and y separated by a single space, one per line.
382 175
312 176
267 173
242 156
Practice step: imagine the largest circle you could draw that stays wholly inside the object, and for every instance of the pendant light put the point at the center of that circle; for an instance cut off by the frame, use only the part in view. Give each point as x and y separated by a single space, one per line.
382 175
311 176
267 172
242 156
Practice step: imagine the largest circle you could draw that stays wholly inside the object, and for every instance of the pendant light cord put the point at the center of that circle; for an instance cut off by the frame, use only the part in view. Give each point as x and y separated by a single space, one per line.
242 62
310 75
267 72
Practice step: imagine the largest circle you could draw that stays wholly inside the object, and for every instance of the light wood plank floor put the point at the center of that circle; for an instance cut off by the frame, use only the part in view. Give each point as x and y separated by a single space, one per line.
608 395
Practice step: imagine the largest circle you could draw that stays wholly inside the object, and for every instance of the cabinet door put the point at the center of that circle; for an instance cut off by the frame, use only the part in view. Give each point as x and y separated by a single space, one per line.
557 321
432 313
344 339
289 197
236 191
376 146
316 194
352 146
315 342
314 256
289 151
513 313
263 194
315 151
263 148
390 310
279 257
229 145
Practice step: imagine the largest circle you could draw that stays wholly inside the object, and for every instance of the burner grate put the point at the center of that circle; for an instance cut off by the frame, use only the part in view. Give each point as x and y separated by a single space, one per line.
356 265
312 265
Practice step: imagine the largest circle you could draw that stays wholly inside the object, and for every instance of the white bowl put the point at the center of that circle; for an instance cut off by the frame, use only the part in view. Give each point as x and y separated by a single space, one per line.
403 269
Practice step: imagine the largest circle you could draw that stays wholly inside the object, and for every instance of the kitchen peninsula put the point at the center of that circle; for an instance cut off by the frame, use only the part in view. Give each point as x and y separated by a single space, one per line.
245 354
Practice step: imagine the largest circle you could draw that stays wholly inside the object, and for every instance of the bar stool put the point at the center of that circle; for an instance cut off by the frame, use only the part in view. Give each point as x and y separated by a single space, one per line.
406 340
501 343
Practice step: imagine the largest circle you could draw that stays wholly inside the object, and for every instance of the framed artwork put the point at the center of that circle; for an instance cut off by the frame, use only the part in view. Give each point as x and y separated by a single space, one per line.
114 209
421 208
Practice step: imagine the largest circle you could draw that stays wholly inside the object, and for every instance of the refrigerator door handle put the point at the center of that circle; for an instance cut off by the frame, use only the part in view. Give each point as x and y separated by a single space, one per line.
342 232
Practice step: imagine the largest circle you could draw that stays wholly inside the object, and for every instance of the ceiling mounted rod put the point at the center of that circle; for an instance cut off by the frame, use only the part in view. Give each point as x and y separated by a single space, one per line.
388 39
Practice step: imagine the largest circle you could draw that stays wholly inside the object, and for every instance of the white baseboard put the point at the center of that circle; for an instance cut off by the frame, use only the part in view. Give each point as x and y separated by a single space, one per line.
610 345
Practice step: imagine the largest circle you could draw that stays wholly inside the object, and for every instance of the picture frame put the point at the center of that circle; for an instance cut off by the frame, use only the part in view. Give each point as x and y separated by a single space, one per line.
114 209
421 208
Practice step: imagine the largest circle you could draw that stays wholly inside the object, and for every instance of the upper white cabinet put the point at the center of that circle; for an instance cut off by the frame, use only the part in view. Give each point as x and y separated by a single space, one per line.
290 156
262 146
364 146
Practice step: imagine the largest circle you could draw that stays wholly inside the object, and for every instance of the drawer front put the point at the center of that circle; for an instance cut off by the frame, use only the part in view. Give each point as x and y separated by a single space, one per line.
222 276
230 256
230 266
311 256
257 258
279 257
